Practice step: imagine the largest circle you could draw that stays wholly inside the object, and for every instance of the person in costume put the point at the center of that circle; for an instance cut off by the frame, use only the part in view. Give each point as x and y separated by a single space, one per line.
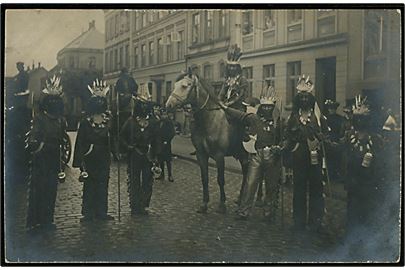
45 141
365 174
92 154
264 161
141 139
236 87
305 132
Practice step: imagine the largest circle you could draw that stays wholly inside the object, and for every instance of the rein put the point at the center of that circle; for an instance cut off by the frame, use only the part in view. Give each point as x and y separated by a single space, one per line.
205 102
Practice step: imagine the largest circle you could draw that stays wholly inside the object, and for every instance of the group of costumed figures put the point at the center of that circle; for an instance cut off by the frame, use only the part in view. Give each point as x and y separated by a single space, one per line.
315 146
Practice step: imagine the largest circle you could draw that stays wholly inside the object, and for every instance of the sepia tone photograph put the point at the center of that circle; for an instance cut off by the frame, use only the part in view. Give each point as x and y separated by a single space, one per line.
211 134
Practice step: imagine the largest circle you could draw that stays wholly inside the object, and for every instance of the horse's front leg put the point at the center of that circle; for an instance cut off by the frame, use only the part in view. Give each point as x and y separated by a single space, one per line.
220 161
202 159
244 162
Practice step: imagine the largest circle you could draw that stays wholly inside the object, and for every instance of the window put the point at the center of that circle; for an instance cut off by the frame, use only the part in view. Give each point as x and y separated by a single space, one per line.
222 70
127 56
293 73
127 21
138 19
375 43
143 55
121 60
247 22
135 23
115 59
150 17
112 28
208 72
136 56
180 45
222 25
71 62
294 28
196 28
269 21
247 72
111 67
169 49
117 24
375 32
106 62
123 18
161 14
269 75
144 19
107 30
269 26
294 16
92 62
208 25
326 22
160 51
151 53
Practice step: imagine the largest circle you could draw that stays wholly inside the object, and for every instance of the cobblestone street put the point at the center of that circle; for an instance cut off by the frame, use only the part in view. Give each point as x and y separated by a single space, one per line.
174 231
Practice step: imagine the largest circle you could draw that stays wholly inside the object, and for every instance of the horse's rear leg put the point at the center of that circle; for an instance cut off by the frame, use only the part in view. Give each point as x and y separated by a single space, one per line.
221 182
203 162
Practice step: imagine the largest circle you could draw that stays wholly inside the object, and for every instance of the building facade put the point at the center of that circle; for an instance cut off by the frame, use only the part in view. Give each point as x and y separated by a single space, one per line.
345 52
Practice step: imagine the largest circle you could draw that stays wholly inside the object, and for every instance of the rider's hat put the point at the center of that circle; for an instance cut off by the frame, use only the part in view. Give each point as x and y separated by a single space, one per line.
304 84
234 54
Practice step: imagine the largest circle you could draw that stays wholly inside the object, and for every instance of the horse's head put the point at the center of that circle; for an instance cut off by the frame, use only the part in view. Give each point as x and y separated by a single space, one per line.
182 90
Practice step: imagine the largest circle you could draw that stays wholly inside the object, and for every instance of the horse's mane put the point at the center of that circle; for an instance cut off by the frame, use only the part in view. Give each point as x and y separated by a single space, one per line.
209 88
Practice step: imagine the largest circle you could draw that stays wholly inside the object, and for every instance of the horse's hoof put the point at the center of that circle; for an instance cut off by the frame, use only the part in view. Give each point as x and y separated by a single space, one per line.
203 209
221 208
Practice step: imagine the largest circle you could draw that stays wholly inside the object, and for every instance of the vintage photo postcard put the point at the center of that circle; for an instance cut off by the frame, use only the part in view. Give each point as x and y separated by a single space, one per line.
207 134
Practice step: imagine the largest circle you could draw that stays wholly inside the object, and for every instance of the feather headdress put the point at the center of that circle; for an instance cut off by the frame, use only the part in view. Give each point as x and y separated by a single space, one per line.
234 54
304 84
99 88
360 107
268 96
53 86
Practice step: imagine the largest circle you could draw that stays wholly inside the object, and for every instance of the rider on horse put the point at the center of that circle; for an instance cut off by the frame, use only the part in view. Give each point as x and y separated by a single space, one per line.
235 89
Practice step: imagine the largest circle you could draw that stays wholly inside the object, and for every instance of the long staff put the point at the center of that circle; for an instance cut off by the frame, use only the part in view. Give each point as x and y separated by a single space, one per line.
282 166
118 159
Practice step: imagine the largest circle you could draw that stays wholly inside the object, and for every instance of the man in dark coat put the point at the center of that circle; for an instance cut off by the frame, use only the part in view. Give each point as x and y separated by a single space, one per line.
306 129
140 136
167 132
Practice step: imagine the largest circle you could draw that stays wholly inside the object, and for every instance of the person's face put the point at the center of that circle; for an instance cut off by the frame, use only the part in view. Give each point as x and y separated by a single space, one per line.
305 100
232 70
266 111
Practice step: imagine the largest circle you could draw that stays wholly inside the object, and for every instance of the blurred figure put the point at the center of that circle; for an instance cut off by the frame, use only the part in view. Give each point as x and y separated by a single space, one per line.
335 123
167 132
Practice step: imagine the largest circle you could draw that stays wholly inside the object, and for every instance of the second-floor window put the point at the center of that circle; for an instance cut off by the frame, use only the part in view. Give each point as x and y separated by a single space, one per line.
222 70
222 24
294 25
326 22
127 56
180 45
143 55
169 48
196 28
160 51
247 22
136 64
92 62
208 25
269 21
151 53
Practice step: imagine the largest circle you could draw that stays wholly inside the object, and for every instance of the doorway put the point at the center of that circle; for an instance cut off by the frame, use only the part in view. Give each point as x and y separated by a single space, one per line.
325 80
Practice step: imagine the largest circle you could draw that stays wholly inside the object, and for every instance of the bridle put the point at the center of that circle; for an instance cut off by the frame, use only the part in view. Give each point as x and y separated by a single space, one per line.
195 86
